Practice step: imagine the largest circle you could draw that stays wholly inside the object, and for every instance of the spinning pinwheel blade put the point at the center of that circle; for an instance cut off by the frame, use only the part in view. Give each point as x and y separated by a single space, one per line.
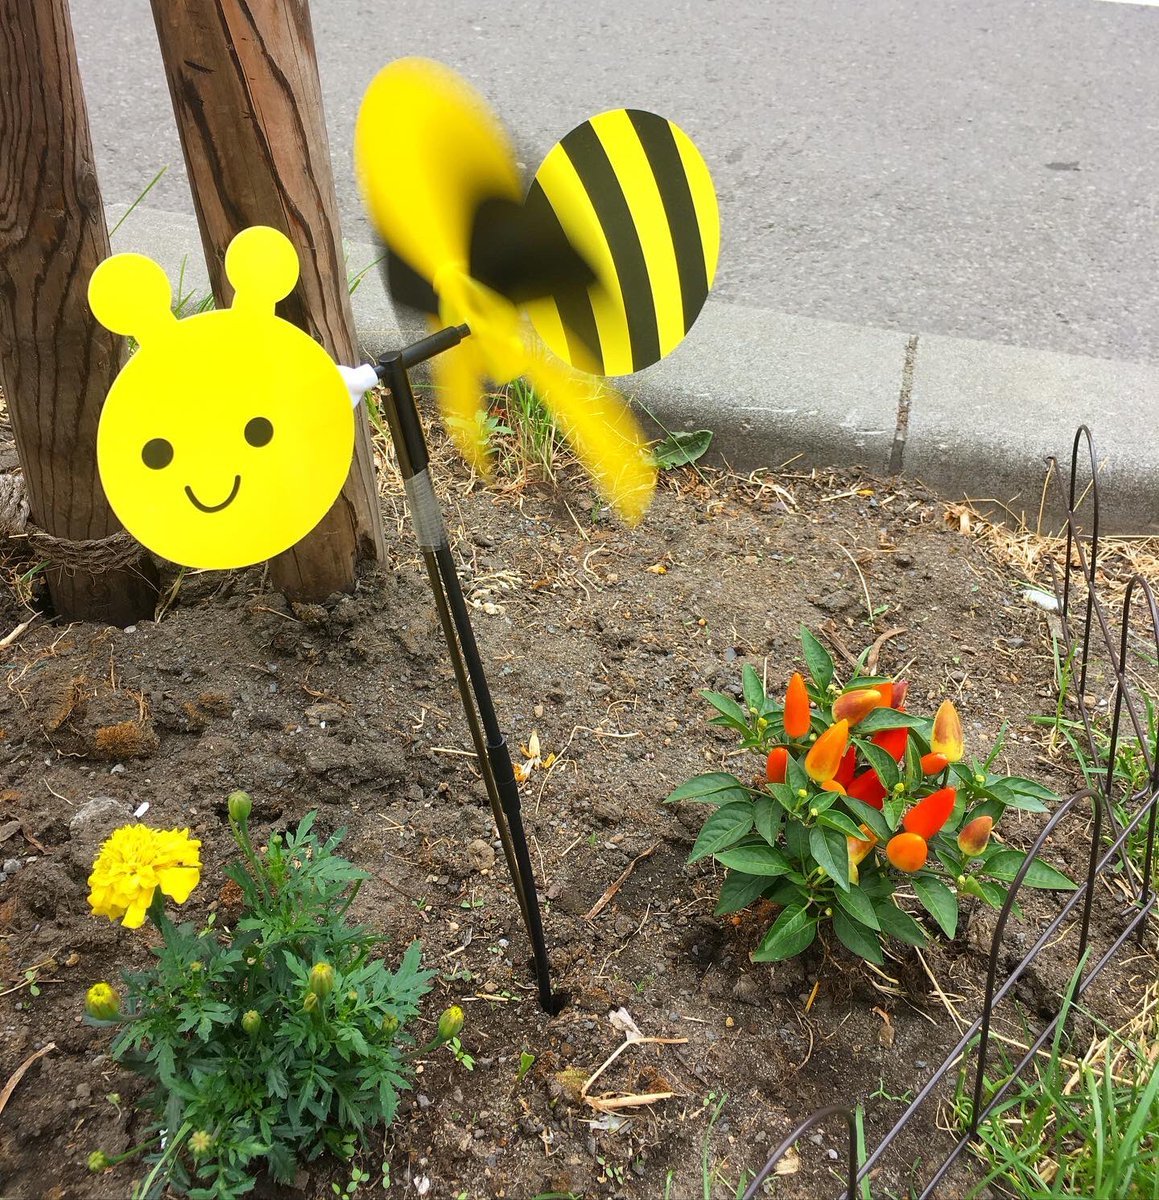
599 269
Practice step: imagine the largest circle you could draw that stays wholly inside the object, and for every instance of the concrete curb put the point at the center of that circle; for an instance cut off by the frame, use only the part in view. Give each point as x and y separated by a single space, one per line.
969 418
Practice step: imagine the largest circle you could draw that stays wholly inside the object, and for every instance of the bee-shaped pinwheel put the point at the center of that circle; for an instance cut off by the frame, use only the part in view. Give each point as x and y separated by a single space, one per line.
610 254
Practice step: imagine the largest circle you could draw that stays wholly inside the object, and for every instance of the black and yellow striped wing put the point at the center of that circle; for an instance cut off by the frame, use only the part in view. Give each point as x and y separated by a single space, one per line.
633 195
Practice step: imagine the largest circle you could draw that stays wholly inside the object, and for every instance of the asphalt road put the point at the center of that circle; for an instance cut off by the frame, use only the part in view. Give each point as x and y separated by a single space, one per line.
976 168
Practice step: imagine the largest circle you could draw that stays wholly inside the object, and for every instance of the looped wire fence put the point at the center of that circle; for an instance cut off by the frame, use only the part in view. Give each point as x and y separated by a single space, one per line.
1076 587
94 555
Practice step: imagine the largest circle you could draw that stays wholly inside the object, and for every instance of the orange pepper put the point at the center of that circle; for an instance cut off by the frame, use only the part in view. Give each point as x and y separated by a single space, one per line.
797 719
825 755
929 815
854 706
934 763
777 765
973 838
907 851
947 735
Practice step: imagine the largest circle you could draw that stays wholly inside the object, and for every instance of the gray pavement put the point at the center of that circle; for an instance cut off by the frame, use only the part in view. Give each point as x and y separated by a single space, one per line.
974 168
779 389
972 180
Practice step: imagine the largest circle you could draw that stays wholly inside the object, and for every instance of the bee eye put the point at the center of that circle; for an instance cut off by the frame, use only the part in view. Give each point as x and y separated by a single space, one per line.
258 431
157 453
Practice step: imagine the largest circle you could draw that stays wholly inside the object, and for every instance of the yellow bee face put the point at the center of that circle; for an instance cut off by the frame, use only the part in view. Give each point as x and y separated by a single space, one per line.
228 435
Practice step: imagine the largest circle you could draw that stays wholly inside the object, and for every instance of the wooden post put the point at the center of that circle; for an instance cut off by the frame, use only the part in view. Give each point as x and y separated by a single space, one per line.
56 361
244 81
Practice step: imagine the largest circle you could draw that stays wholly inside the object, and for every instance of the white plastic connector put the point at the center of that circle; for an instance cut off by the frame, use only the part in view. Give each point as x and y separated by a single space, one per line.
358 380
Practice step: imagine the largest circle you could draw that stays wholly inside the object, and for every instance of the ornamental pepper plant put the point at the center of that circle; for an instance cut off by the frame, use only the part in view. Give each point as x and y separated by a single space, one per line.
858 805
269 1039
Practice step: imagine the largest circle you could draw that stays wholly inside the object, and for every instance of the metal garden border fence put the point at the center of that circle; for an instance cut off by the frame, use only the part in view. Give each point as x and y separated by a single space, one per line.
1079 566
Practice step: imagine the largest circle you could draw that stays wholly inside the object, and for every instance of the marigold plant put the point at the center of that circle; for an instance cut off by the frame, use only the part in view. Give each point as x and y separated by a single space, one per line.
857 797
268 1041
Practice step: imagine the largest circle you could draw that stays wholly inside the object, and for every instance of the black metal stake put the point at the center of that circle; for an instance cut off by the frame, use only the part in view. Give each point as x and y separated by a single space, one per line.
490 745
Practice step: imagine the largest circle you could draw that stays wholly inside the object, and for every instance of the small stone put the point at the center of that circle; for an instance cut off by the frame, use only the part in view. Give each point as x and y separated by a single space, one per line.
832 1154
480 855
816 1138
12 865
424 1100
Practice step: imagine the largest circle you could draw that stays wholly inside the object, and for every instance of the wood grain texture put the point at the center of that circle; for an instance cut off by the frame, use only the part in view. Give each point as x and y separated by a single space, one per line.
56 361
243 78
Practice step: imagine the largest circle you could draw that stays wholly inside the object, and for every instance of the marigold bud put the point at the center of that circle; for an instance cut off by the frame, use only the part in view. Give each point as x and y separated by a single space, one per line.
200 1141
102 1002
390 1025
251 1021
451 1023
321 979
309 1002
352 996
99 1161
975 835
239 804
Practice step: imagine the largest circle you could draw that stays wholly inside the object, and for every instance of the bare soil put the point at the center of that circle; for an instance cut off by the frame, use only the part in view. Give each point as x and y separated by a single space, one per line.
598 639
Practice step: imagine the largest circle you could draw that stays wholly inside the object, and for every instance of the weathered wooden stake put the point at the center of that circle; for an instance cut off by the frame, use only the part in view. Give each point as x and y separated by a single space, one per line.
244 81
56 362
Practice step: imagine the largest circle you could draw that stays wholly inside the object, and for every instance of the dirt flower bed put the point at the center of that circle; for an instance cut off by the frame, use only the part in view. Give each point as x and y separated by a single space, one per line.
598 641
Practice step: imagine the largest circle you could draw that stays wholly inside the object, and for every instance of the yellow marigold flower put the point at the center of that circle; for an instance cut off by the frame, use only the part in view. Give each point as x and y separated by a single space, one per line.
133 863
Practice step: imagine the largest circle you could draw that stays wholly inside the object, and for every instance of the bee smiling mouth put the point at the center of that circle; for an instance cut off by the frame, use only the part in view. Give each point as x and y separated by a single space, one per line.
212 508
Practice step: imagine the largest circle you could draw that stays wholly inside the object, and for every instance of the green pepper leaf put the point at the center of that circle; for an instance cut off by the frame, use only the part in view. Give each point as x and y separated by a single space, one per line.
896 923
857 904
754 693
817 660
829 850
767 815
726 826
1005 865
938 901
716 787
792 932
857 938
739 891
755 858
882 762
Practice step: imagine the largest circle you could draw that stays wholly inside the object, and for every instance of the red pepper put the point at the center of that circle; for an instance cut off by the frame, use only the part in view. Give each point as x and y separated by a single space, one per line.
867 787
847 768
777 765
929 815
893 742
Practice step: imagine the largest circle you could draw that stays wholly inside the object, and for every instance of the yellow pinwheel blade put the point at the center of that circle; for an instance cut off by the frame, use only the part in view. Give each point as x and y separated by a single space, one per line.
428 151
458 376
602 431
